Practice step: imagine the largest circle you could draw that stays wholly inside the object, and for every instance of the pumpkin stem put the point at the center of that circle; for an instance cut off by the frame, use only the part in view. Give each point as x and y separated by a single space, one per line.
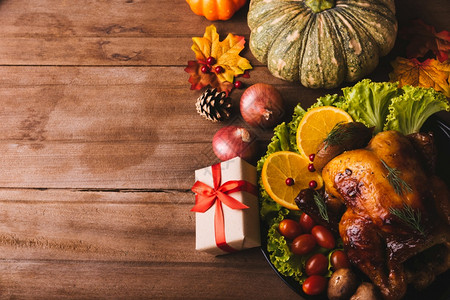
319 5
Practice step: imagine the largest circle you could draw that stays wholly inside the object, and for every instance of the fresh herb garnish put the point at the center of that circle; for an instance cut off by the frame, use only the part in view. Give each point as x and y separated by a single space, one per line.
341 134
336 136
409 216
320 202
393 176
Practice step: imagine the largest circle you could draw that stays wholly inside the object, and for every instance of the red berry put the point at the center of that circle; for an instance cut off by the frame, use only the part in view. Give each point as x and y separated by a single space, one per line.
210 60
205 69
289 181
311 157
311 168
313 184
218 69
238 84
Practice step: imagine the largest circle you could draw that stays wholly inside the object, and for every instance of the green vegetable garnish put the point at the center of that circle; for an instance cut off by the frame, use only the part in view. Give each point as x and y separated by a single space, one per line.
393 176
368 102
341 134
409 216
409 111
320 202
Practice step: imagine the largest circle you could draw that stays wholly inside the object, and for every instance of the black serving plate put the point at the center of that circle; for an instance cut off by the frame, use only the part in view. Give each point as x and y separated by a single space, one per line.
440 288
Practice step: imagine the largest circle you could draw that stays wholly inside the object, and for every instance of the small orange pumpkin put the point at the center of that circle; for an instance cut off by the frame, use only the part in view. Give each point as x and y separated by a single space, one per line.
216 9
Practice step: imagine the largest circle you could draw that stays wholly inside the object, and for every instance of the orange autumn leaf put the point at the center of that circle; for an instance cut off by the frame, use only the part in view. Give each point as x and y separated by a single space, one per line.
424 38
198 79
226 53
430 73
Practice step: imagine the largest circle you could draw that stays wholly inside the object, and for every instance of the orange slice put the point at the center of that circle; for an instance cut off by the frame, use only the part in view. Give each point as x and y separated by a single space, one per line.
282 165
316 125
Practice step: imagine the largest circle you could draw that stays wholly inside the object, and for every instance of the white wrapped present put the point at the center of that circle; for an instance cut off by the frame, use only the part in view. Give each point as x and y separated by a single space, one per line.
227 213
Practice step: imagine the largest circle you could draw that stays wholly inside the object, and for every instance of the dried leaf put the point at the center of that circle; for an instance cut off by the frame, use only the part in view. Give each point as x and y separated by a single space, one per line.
430 73
198 79
225 52
424 38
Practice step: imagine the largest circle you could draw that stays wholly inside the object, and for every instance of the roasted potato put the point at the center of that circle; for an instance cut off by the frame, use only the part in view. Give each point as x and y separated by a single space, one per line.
342 284
366 291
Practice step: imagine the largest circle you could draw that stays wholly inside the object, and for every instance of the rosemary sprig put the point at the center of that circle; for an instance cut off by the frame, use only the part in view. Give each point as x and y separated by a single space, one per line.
409 216
342 133
393 176
320 202
337 135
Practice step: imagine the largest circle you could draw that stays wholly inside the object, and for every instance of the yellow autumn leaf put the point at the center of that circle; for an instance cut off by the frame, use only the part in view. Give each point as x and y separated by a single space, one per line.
430 73
225 52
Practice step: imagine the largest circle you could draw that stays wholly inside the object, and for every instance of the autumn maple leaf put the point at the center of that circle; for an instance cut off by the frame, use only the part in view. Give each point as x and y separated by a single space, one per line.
424 38
198 79
226 53
430 73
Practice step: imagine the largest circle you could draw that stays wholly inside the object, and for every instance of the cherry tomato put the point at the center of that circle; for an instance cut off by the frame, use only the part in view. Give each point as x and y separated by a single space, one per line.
323 237
290 229
314 285
339 260
303 244
306 222
316 264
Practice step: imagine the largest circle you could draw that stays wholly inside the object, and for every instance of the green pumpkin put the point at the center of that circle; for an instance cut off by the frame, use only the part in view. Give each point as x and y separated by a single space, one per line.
321 43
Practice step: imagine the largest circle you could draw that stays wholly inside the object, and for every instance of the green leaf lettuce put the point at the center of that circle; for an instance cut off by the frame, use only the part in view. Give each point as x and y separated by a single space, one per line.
368 102
409 111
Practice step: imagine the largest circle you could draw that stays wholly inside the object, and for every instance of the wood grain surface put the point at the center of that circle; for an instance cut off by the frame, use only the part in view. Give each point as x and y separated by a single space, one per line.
99 141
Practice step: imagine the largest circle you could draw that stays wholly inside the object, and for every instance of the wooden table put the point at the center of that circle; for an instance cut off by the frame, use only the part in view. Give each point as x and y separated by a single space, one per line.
99 142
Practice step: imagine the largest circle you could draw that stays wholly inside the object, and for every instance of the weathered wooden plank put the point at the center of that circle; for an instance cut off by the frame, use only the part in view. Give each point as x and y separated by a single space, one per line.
107 165
117 51
103 226
122 18
115 104
111 280
73 225
99 33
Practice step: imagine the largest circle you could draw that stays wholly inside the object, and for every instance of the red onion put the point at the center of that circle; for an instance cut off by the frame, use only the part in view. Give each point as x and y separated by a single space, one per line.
261 105
232 141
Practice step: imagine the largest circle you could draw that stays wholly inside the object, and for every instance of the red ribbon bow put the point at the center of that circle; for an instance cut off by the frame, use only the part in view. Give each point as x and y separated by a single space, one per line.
206 196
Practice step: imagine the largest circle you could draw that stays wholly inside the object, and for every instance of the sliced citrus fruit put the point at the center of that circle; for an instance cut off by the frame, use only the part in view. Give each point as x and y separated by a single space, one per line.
285 174
315 126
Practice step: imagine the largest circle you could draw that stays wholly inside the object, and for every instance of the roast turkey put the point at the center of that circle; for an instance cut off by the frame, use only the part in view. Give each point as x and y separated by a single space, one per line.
390 209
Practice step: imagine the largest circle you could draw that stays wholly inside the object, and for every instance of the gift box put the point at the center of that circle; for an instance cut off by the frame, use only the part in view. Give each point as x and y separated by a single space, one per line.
227 213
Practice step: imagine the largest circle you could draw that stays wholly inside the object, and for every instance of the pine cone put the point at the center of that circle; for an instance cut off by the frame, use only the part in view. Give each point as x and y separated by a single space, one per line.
214 106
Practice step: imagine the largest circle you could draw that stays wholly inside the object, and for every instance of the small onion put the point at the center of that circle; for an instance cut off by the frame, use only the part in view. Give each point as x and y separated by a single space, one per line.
261 105
232 141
